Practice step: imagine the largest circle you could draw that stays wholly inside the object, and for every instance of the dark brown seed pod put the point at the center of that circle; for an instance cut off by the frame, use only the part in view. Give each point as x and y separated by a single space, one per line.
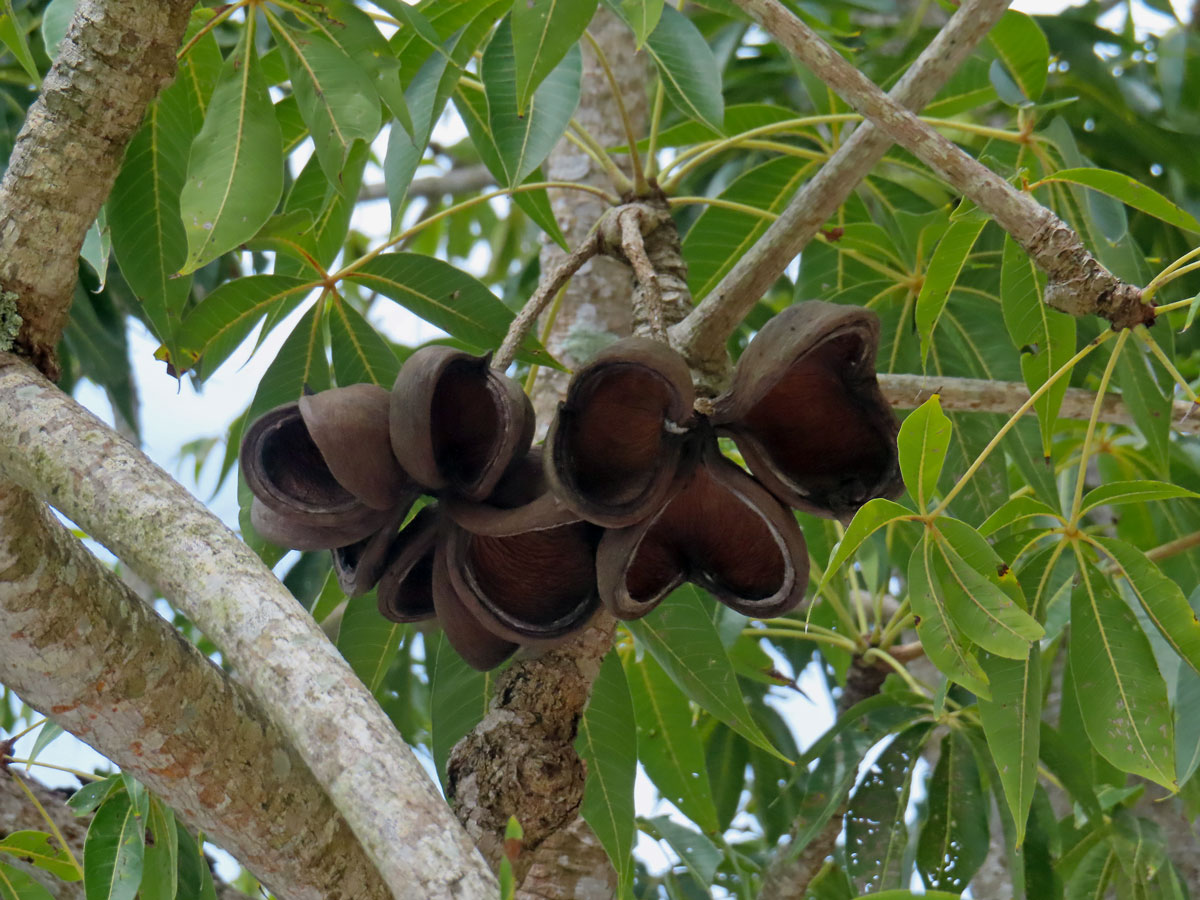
807 414
455 423
722 531
349 426
287 473
299 533
522 563
360 565
615 442
477 645
406 586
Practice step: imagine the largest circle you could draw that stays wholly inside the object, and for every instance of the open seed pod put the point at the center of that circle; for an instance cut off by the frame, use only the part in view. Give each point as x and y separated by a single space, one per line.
349 426
807 414
722 531
297 531
615 442
477 645
360 565
406 586
526 572
455 423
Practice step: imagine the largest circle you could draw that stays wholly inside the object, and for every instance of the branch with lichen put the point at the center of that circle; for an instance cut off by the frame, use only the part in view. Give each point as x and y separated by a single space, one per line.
1078 284
702 335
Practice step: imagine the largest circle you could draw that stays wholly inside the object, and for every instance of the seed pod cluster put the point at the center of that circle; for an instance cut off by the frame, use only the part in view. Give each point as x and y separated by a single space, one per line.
630 496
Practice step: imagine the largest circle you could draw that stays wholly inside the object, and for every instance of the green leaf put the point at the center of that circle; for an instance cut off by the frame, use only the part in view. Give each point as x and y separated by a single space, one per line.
876 835
85 800
458 698
360 353
939 635
682 638
687 67
1011 724
160 873
698 853
1019 41
954 841
1014 510
113 851
48 734
1117 492
42 850
967 570
195 877
608 746
235 173
446 297
337 97
871 516
148 236
1187 724
1122 696
55 18
543 32
721 236
16 885
1147 402
725 757
368 641
922 443
225 318
1129 191
1161 598
668 744
640 15
524 140
1045 337
942 274
12 35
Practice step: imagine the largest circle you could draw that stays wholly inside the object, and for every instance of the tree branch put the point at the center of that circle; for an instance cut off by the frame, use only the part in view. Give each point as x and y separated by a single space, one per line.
458 180
978 395
61 452
701 336
1078 284
70 149
82 648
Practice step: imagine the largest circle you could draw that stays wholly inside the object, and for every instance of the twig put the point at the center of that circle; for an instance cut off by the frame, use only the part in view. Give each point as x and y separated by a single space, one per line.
1078 284
1171 548
978 395
701 336
635 251
547 289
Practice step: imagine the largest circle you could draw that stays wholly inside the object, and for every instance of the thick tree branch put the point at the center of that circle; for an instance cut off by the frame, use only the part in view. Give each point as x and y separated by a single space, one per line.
1078 283
70 150
82 648
60 451
978 395
701 336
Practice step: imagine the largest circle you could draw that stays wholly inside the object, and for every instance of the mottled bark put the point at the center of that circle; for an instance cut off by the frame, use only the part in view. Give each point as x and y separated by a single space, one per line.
115 57
56 448
83 649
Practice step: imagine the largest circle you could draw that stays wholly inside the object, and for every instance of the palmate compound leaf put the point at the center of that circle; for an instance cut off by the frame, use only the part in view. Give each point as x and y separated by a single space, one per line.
1121 693
235 172
607 744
